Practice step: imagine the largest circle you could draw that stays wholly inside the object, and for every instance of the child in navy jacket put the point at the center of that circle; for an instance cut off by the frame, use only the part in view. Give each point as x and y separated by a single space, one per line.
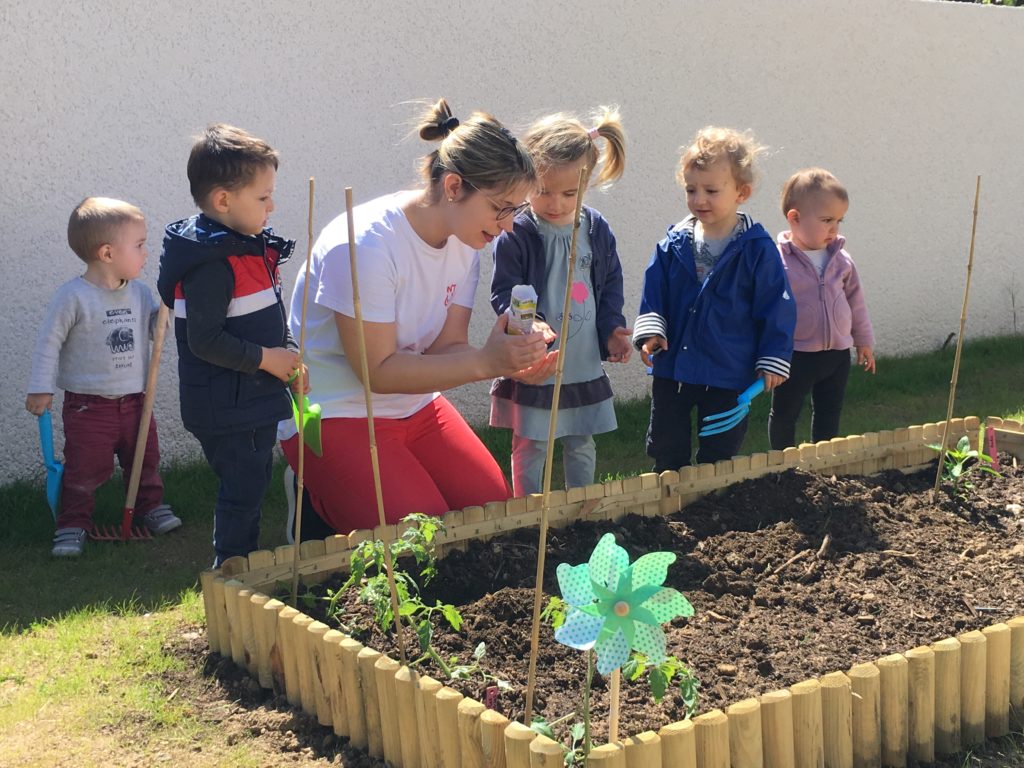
219 271
715 309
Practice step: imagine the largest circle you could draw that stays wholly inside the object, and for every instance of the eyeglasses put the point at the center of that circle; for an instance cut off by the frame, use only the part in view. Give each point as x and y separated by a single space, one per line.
501 211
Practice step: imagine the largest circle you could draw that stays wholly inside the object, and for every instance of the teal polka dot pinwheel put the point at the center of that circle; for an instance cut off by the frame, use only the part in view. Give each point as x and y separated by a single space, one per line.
615 607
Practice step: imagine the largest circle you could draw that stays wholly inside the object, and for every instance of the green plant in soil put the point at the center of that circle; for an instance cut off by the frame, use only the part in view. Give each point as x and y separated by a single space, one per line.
575 752
368 574
959 464
660 677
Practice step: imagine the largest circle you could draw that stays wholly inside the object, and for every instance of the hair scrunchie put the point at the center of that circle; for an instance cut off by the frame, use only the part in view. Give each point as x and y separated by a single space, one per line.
447 125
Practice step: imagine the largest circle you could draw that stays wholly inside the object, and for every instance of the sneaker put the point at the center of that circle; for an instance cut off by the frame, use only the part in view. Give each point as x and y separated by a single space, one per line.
68 542
161 520
289 493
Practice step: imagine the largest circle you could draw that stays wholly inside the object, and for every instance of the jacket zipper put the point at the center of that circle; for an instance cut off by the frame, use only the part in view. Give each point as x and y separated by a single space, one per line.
824 310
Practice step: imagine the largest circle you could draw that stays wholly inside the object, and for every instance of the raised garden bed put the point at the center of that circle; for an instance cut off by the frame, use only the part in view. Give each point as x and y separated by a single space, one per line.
771 611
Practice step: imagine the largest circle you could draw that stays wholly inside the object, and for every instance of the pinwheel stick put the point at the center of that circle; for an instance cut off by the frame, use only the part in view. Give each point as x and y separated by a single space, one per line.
299 474
613 706
531 682
959 344
374 462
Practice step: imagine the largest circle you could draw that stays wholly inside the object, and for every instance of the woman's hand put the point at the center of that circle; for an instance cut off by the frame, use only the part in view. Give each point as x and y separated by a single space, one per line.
539 372
506 355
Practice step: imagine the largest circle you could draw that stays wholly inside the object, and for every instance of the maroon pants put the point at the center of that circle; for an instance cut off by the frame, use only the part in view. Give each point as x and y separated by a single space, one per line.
95 430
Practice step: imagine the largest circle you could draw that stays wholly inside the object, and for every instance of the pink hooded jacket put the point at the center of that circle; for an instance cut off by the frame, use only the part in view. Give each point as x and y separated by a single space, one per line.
830 310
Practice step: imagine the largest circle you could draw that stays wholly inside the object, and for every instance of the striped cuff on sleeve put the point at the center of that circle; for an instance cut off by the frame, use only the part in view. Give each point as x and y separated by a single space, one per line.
776 365
647 325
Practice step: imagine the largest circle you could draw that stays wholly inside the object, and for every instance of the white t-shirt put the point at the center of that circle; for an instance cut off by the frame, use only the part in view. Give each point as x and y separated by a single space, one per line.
402 280
819 259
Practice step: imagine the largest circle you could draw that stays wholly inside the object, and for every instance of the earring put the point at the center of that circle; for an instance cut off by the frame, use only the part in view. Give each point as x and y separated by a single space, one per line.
451 199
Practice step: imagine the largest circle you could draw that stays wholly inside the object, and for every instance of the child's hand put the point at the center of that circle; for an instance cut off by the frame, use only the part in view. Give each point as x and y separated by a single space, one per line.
866 357
620 345
37 403
279 362
771 380
539 326
652 345
300 384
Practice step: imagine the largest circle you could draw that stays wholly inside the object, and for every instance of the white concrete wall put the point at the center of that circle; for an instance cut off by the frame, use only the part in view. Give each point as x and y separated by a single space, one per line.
906 101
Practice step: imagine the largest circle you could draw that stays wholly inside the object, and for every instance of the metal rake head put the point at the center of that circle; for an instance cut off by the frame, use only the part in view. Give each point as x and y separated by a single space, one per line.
717 423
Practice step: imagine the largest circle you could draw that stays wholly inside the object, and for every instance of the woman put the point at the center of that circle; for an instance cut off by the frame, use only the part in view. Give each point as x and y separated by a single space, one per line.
418 272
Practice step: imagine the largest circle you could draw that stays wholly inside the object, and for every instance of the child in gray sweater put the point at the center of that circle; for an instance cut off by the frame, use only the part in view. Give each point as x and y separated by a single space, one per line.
94 344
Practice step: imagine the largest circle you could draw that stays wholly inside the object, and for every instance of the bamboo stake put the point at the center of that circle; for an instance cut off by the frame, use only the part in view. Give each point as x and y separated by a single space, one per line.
959 343
300 469
531 681
374 461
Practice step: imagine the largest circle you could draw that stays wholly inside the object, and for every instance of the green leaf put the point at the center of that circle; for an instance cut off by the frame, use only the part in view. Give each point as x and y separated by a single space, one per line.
577 731
452 615
658 684
424 633
409 607
479 651
540 725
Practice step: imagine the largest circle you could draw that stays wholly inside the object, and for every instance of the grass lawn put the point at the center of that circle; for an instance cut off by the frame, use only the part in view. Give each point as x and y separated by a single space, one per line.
80 640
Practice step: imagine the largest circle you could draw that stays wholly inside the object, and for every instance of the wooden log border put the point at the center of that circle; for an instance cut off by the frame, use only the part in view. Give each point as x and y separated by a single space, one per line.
929 700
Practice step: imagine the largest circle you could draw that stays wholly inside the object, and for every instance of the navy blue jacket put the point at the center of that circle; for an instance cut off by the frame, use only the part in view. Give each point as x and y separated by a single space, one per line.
521 262
225 290
719 332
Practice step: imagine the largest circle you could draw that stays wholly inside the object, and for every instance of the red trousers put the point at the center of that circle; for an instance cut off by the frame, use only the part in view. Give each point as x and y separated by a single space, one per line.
430 462
95 430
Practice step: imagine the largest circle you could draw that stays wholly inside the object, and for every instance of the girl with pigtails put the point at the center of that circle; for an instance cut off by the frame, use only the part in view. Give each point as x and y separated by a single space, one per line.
535 253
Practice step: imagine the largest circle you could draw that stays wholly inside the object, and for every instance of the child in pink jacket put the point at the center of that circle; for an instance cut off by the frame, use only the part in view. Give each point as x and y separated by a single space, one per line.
831 315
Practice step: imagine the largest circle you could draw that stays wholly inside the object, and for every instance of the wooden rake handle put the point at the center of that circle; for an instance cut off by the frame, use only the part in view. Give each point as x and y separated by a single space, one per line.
147 408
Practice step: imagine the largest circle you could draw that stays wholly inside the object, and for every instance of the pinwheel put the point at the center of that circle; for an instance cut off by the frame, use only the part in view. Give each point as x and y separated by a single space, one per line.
615 607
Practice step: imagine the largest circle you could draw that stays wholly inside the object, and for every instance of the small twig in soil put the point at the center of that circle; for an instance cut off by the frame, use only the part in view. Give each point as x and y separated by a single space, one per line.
826 544
799 555
970 607
718 617
897 553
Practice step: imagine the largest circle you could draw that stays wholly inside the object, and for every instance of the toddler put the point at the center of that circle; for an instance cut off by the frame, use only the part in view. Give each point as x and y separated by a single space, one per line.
94 344
715 310
536 253
831 315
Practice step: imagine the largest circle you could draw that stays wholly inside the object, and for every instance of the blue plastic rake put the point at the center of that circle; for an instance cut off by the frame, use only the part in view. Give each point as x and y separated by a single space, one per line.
54 469
717 423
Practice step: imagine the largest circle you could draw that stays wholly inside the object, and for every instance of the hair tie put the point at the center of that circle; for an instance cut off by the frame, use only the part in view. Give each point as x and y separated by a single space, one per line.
448 125
594 132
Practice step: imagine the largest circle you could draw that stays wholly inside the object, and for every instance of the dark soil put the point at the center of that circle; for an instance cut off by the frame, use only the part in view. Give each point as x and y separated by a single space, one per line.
897 570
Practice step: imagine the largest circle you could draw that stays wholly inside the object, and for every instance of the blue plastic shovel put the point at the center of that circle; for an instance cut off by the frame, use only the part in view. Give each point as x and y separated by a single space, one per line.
717 423
54 469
